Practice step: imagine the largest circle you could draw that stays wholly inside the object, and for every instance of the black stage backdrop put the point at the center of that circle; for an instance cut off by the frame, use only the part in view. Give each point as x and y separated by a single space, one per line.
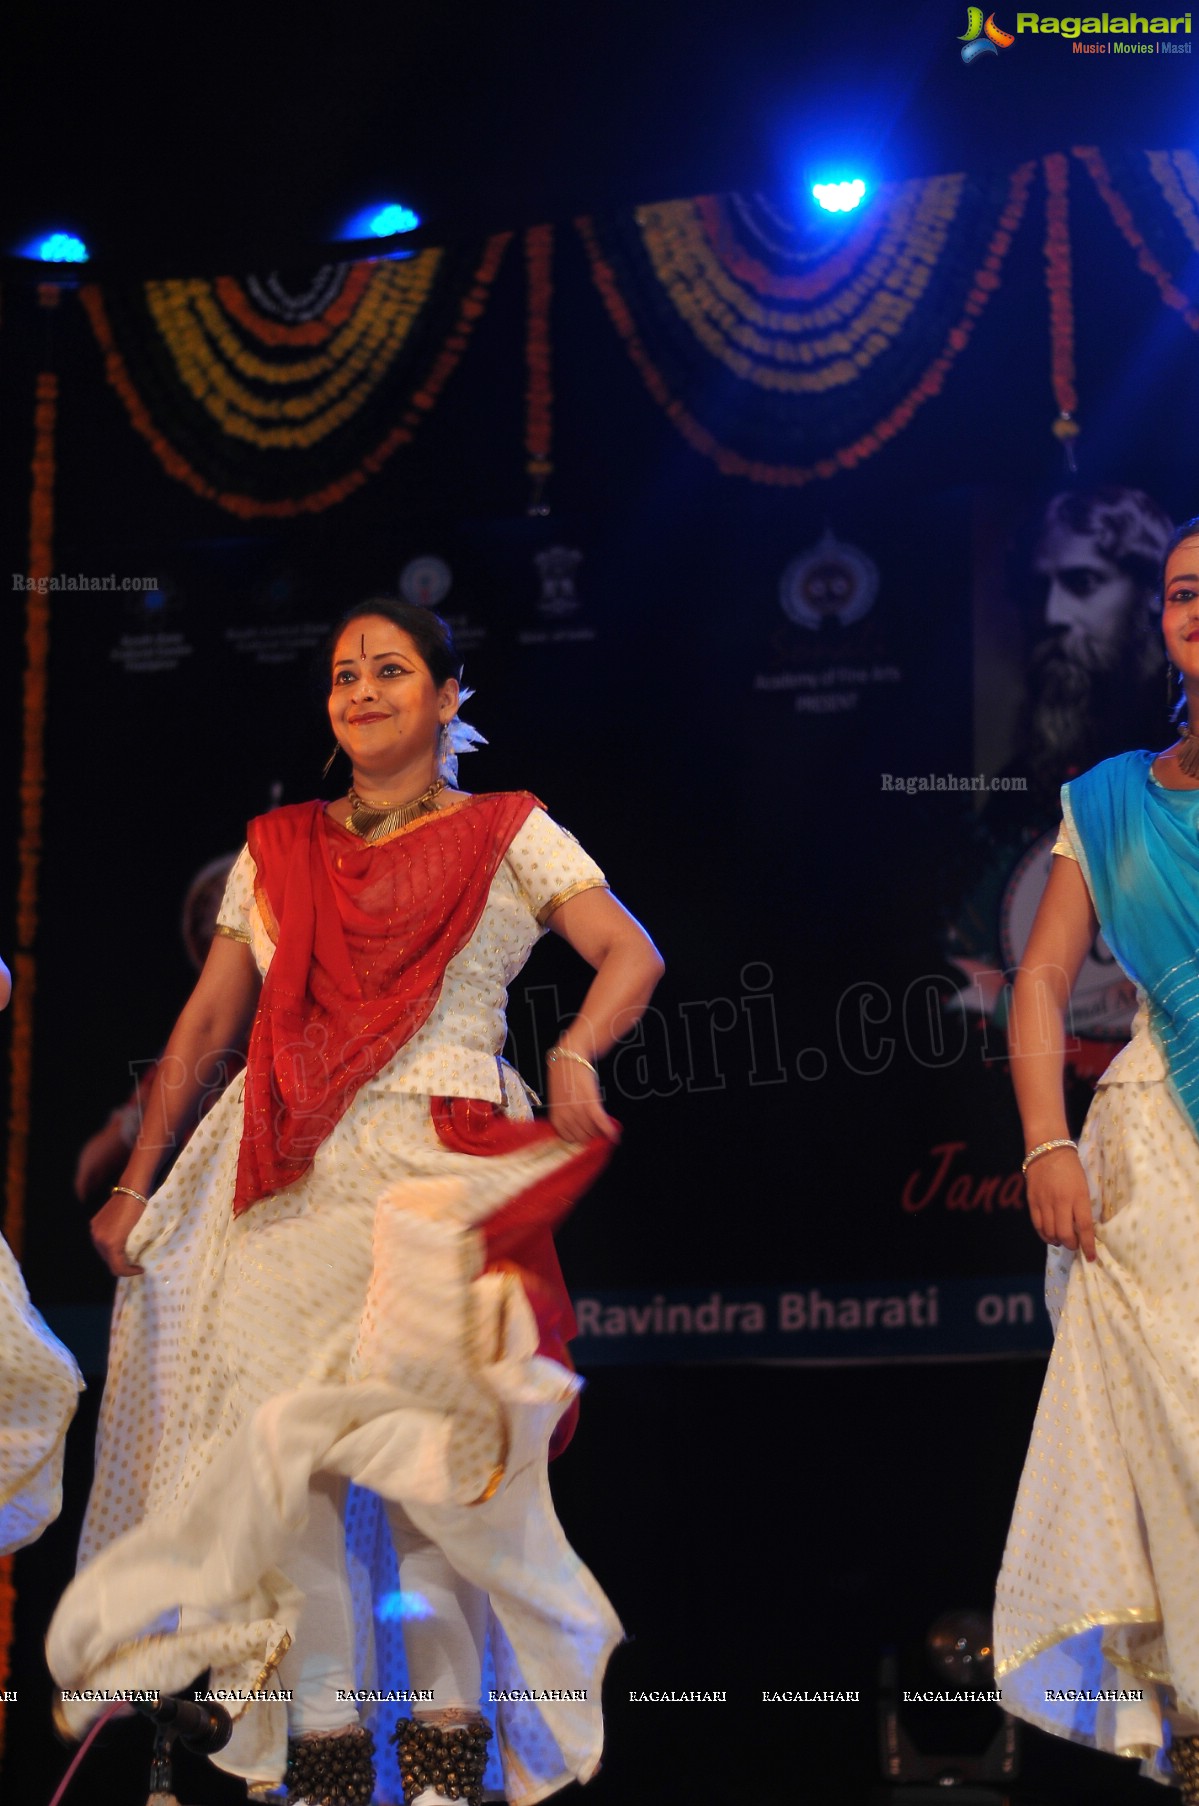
792 1454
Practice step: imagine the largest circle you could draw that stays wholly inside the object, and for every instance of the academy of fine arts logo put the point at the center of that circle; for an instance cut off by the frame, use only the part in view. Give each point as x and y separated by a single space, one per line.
982 37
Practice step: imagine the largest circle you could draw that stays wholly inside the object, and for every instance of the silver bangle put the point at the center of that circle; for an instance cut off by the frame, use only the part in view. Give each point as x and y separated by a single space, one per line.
1047 1147
129 1193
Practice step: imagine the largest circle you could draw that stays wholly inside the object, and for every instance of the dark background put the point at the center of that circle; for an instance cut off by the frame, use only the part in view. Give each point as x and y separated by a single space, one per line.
756 1526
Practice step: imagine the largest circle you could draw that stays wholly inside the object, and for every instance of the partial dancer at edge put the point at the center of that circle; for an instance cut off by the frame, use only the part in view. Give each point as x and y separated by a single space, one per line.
39 1389
1097 1614
348 1275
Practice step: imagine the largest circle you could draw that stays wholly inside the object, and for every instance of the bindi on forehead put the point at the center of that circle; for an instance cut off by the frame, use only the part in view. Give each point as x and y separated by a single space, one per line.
362 640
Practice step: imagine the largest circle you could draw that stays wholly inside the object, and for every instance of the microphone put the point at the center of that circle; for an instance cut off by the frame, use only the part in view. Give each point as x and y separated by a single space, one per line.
203 1728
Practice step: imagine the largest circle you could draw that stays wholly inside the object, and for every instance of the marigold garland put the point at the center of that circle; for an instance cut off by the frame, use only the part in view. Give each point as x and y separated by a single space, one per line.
237 305
829 273
836 341
217 369
1171 294
1058 277
248 507
733 463
29 847
1177 175
539 392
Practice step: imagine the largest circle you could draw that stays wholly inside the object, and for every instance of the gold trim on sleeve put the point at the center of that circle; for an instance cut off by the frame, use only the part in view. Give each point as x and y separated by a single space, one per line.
233 934
564 896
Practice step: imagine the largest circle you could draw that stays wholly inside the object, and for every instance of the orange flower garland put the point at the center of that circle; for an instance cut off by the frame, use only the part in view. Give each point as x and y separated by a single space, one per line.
539 393
791 351
234 300
732 463
829 273
291 403
1170 293
1058 275
250 507
29 846
1177 175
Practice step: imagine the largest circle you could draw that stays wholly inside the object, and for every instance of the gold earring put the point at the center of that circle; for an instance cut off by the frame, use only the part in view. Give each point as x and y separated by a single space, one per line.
327 767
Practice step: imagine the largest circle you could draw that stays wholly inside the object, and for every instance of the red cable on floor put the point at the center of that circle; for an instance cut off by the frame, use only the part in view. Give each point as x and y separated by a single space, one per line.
81 1752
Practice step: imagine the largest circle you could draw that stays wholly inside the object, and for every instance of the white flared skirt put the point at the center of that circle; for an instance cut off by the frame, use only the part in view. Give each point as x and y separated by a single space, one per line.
343 1326
39 1389
1097 1609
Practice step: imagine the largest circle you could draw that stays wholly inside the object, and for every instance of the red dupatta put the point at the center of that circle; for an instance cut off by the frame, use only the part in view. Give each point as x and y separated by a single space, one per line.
363 934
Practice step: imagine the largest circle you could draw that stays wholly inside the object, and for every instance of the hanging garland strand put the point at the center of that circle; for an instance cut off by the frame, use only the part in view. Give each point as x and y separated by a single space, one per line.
732 463
248 507
29 849
1177 175
1170 293
1059 279
539 392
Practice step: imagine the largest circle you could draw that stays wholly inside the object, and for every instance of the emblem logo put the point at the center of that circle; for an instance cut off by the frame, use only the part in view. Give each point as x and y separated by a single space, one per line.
831 582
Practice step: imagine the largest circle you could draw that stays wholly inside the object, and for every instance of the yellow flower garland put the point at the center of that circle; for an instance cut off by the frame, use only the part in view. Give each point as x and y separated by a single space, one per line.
419 404
213 362
761 343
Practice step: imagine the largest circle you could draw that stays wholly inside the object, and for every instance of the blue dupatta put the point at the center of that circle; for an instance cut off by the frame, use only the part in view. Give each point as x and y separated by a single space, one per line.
1139 846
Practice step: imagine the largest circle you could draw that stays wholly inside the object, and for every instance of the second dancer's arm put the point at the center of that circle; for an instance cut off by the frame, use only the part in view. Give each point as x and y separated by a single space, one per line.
214 1021
1059 1202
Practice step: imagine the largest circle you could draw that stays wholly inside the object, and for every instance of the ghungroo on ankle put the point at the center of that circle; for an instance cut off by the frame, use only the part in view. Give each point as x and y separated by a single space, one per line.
1184 1760
451 1760
332 1768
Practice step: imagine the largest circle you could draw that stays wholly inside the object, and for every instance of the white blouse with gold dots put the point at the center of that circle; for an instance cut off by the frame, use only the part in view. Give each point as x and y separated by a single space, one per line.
457 1052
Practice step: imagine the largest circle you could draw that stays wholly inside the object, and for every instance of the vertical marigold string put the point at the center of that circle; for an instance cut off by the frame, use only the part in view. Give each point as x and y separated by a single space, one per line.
539 391
1059 279
29 846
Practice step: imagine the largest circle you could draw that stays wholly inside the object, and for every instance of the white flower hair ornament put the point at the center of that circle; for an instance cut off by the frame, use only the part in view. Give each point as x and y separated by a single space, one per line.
457 736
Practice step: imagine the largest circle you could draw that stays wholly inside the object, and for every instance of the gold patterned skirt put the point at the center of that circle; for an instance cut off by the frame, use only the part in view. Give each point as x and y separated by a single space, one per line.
39 1389
1097 1605
344 1326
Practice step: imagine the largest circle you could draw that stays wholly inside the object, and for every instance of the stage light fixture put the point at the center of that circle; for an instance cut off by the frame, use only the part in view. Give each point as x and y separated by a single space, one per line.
58 247
392 219
382 221
839 197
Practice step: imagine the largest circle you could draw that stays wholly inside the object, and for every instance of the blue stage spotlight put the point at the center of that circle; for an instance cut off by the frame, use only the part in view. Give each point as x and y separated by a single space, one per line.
839 197
58 247
392 219
382 221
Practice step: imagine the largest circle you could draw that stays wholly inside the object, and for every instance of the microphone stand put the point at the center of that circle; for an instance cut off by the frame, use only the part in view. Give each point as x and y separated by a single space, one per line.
162 1784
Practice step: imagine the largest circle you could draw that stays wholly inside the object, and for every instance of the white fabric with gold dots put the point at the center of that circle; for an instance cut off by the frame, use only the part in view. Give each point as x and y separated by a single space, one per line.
39 1388
1099 1589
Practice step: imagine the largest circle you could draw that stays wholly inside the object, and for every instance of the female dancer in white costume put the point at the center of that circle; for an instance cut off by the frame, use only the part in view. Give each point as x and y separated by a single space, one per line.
39 1389
346 1277
1097 1613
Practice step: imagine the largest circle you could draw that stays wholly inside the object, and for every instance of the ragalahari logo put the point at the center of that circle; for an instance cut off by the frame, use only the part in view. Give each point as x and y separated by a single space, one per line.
983 38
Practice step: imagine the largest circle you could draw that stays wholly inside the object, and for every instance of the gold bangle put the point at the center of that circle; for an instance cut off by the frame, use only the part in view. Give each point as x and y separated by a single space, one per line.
129 1193
1047 1147
558 1052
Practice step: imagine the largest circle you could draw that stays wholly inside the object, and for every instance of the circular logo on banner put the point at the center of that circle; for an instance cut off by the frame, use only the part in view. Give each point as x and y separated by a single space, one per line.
1103 1002
425 581
831 582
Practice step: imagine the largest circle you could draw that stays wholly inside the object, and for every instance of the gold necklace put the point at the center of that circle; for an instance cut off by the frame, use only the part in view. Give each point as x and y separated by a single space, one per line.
374 821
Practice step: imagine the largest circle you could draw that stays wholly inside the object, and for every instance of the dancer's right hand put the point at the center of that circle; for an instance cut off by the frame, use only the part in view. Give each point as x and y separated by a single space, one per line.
1059 1202
111 1228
